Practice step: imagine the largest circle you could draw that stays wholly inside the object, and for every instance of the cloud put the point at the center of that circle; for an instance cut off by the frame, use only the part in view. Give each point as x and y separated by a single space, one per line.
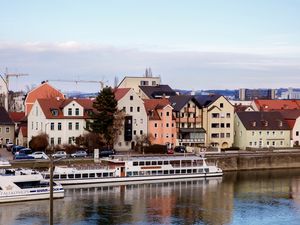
181 69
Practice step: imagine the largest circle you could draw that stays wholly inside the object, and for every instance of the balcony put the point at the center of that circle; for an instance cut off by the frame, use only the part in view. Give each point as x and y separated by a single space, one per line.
192 140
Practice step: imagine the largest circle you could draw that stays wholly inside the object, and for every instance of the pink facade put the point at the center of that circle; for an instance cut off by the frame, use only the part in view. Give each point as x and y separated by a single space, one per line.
161 123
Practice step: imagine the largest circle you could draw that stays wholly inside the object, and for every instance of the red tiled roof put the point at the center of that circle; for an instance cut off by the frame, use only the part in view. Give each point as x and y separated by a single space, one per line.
52 103
151 105
290 116
120 93
273 105
17 116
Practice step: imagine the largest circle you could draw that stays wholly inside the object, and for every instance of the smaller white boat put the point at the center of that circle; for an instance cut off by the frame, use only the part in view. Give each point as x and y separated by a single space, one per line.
25 185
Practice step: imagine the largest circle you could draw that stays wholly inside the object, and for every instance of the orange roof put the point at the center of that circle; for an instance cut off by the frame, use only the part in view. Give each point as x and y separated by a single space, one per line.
44 90
120 93
271 105
23 129
17 116
50 104
151 105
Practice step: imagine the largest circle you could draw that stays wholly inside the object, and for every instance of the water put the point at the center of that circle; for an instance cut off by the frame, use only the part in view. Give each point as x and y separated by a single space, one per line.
256 197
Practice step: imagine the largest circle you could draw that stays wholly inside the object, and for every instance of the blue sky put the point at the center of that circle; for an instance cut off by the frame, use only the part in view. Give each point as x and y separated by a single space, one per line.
191 44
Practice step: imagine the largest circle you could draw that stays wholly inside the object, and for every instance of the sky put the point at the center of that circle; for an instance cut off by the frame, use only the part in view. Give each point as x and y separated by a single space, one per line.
196 45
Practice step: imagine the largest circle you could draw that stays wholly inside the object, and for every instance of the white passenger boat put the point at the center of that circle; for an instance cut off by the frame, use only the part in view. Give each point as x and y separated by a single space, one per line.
124 169
24 185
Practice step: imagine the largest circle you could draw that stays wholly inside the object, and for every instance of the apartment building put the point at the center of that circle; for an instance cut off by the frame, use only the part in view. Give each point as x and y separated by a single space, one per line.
135 122
135 82
261 130
161 122
62 119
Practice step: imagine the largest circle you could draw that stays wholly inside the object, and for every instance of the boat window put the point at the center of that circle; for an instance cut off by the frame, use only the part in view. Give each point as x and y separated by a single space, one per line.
194 171
172 171
135 173
142 163
166 162
135 163
189 171
166 172
77 175
63 176
200 170
71 176
141 173
160 172
129 174
147 163
85 175
111 174
105 174
206 170
154 163
159 162
148 173
56 176
99 174
47 176
153 172
92 175
31 184
177 171
183 171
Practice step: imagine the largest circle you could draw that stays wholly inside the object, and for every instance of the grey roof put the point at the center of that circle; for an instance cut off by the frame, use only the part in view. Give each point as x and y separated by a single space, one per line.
158 90
179 101
206 100
263 121
4 117
291 114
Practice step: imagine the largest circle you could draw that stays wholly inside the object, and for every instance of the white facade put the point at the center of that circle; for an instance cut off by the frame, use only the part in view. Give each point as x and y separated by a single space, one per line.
133 106
61 130
135 82
290 94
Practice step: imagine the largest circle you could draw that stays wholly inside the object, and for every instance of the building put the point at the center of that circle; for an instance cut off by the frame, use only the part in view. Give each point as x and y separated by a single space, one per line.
135 122
62 119
261 130
19 120
275 105
290 94
43 91
217 117
22 137
136 82
7 127
161 122
188 114
251 94
292 117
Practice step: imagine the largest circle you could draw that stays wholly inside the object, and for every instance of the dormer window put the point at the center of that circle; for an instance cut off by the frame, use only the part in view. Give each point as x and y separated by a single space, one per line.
264 123
69 111
280 123
253 123
54 112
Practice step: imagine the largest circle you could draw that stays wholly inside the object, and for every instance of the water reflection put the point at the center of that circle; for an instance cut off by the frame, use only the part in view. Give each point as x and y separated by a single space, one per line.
258 197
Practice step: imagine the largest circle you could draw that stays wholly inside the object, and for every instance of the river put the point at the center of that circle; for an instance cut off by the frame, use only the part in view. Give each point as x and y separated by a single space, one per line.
246 197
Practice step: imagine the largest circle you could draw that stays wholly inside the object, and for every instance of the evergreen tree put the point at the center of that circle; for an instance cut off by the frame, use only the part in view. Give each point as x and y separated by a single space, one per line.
103 118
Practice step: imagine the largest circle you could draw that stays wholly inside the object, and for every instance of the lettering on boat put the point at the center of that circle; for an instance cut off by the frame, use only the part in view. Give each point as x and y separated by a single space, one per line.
150 167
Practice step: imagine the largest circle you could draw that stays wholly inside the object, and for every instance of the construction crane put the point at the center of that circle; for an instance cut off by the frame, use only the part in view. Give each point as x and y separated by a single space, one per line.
81 81
6 82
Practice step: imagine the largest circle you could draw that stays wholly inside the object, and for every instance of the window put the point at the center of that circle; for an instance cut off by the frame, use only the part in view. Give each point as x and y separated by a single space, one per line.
155 125
222 135
228 135
153 83
167 124
215 115
52 141
155 135
134 132
37 125
77 126
250 143
222 125
273 143
70 140
227 115
268 133
141 121
297 133
7 129
182 115
70 125
59 126
69 111
228 125
138 109
77 111
141 132
172 124
124 109
51 126
167 135
168 113
214 125
131 97
221 105
54 112
214 135
59 140
268 143
281 143
259 132
31 125
253 133
131 109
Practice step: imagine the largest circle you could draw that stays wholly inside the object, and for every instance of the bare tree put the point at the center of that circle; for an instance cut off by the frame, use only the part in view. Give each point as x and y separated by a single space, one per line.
142 141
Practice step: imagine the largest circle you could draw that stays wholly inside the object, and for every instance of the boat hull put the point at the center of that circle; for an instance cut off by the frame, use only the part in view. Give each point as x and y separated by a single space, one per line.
136 178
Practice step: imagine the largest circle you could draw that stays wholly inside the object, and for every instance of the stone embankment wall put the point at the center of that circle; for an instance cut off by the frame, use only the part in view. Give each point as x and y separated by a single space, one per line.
232 162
